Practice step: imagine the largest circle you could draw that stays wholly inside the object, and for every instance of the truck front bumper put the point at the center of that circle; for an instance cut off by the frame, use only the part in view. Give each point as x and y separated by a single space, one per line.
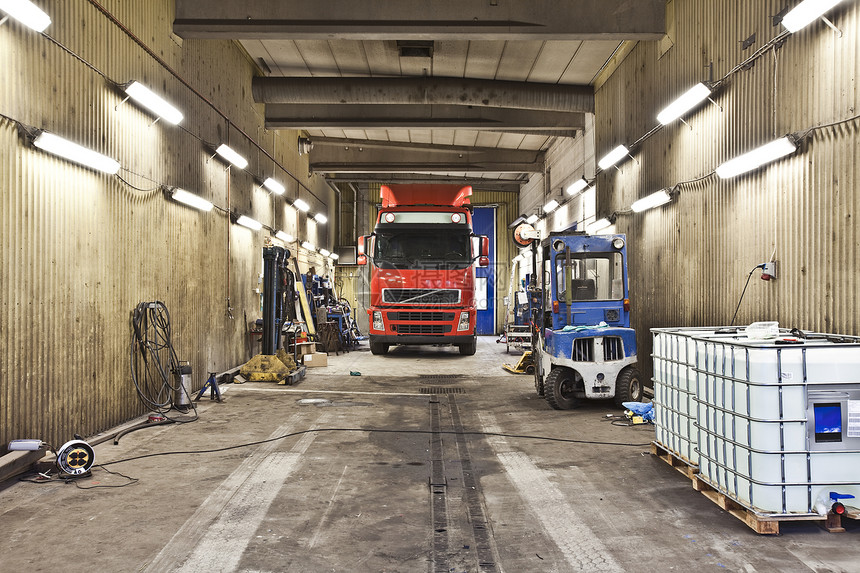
421 339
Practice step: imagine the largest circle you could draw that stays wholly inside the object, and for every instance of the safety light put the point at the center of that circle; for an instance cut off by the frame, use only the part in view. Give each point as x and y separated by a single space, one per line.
250 223
301 205
230 155
555 307
191 199
75 153
464 322
285 237
320 218
456 217
597 226
308 246
389 217
532 219
757 157
577 186
325 252
377 320
661 197
153 102
685 102
626 305
274 186
806 12
551 206
613 157
27 13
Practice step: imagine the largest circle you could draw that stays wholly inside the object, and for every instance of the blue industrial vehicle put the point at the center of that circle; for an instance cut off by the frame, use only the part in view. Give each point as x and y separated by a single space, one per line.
584 345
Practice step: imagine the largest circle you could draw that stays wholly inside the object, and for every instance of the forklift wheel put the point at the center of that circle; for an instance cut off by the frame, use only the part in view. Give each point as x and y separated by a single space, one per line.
559 387
538 384
628 386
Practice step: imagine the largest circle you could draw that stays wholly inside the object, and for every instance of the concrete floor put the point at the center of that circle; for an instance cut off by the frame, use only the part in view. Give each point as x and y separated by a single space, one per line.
413 497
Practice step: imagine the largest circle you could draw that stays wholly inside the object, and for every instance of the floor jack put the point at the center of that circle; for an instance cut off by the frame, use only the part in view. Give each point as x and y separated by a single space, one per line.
525 365
212 386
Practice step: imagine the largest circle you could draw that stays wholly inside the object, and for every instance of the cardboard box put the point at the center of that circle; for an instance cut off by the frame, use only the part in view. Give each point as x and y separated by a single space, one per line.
316 359
305 348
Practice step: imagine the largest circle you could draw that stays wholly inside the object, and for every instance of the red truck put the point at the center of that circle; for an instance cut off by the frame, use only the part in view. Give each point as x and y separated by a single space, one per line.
422 254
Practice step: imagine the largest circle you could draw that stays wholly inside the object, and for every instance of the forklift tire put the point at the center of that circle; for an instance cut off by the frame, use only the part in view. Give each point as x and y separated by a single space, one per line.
538 384
378 348
628 386
469 348
559 387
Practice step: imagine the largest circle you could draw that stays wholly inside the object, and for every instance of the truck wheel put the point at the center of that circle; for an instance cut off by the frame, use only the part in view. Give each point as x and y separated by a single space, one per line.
559 387
469 348
378 348
628 386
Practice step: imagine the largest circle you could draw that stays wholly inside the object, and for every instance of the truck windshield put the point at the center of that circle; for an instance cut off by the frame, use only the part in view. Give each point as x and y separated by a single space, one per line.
593 276
422 248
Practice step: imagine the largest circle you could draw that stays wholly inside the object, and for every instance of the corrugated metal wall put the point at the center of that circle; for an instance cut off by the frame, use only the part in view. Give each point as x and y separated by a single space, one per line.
689 260
80 250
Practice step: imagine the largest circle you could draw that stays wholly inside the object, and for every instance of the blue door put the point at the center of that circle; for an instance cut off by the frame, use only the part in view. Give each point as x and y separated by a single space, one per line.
484 223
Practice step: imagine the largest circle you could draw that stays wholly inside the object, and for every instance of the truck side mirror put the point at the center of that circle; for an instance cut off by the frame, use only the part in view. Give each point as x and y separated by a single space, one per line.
484 259
363 242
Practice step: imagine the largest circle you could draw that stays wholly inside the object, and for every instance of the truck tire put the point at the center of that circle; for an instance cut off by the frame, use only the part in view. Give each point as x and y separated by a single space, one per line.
378 347
628 386
469 348
559 387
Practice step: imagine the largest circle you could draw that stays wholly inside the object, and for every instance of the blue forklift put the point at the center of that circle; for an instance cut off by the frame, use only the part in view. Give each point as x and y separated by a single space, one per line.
583 345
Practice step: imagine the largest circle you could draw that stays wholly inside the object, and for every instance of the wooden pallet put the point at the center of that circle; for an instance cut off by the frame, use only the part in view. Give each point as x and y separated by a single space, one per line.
688 469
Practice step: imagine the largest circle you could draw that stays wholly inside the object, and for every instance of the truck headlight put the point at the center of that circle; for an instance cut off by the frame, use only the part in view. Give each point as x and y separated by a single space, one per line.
377 320
464 322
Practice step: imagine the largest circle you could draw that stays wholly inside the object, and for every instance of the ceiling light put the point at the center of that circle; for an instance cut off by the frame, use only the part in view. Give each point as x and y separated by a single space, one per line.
285 237
153 102
613 157
757 157
685 102
597 226
334 256
325 252
231 156
274 186
320 218
532 219
309 246
301 205
27 13
577 186
74 152
551 206
191 199
661 197
249 222
807 12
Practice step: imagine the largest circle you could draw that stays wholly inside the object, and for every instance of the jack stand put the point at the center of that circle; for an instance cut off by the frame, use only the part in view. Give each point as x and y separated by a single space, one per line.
212 385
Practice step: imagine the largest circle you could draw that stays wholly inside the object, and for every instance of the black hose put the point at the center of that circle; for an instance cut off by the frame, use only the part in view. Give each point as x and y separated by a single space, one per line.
749 276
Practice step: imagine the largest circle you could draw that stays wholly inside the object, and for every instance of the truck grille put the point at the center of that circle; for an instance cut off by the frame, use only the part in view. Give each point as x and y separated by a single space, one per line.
422 296
421 316
421 328
612 348
583 350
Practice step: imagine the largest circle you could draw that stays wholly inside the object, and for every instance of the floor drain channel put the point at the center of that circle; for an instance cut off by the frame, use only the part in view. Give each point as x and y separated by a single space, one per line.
440 375
442 390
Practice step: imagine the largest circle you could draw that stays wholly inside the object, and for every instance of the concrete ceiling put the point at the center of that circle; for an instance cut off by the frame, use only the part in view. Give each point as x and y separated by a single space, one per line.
396 90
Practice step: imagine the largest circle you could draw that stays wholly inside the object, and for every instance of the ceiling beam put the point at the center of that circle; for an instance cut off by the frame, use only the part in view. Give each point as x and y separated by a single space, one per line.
426 90
503 185
379 116
436 20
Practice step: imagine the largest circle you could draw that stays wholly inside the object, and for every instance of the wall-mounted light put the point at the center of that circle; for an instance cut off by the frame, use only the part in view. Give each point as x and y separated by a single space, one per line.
75 153
325 252
27 13
309 246
806 12
577 186
153 102
230 155
301 205
597 226
551 206
661 197
304 145
248 222
613 157
685 102
532 219
274 186
190 199
757 157
334 256
320 218
285 237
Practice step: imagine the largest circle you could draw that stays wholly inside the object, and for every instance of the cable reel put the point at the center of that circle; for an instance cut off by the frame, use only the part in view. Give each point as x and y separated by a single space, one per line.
75 458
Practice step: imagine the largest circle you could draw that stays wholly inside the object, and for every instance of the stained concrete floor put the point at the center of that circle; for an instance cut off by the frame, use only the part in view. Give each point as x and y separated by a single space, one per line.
433 487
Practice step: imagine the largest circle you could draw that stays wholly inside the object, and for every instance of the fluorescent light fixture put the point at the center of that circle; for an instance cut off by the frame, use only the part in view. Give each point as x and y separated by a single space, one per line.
153 102
613 157
661 197
334 256
301 205
75 153
309 246
231 156
806 12
577 186
191 199
285 237
320 218
249 222
685 102
274 186
551 206
757 157
532 219
325 252
27 13
597 226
